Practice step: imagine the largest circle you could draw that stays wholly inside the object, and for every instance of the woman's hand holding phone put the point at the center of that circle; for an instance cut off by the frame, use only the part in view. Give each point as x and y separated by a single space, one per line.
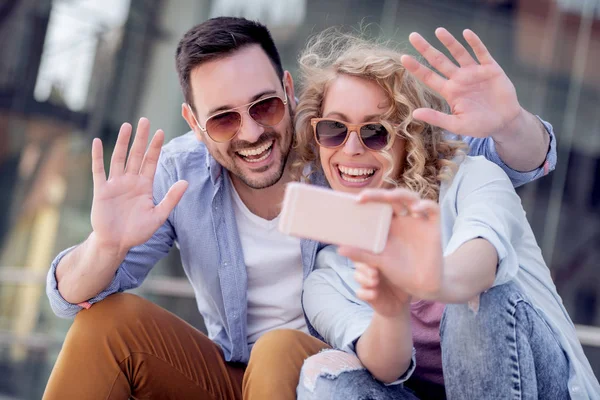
412 259
386 299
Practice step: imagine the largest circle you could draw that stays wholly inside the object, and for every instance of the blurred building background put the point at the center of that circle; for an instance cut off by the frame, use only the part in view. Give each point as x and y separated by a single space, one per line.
72 70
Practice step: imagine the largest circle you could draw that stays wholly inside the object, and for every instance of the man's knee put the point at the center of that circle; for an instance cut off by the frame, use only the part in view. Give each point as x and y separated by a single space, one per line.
278 340
115 311
288 343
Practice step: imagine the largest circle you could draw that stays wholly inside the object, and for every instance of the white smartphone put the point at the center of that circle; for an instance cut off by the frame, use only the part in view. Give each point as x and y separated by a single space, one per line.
332 217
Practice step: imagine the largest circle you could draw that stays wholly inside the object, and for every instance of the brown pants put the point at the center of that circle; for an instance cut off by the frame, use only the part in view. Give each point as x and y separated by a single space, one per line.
127 347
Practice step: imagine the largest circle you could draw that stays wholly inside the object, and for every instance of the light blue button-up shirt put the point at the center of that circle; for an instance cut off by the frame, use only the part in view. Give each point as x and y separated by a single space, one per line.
203 226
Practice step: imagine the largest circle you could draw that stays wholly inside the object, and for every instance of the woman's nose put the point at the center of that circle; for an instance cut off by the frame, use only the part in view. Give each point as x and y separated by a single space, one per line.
353 145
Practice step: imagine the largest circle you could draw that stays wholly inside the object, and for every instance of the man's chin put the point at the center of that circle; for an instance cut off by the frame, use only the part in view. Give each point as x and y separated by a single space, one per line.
261 178
261 181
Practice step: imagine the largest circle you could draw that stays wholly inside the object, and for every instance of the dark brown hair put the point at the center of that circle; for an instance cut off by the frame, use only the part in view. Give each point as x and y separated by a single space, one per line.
219 37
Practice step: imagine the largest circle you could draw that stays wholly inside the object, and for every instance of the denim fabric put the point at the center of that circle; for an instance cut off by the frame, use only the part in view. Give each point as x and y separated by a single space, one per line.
346 380
502 350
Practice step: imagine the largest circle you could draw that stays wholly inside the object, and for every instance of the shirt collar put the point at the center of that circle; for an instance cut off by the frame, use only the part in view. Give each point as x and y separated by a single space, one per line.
214 168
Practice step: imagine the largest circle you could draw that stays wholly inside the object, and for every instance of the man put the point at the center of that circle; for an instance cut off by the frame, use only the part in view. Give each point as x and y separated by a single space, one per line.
247 277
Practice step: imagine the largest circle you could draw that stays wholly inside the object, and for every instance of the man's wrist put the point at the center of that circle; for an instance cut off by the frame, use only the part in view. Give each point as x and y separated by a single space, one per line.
524 132
514 129
104 249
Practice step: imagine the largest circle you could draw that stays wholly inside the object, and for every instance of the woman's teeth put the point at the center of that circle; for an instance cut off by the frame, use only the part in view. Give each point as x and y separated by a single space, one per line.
257 154
355 175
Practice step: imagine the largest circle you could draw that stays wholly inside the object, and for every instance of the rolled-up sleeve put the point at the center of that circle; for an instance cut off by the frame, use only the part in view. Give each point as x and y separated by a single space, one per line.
487 147
338 319
134 268
489 208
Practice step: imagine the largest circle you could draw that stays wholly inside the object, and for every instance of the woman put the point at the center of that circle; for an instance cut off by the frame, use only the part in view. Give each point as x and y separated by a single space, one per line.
459 245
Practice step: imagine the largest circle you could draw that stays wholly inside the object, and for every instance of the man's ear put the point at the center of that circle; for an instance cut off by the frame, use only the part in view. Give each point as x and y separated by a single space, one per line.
288 82
187 114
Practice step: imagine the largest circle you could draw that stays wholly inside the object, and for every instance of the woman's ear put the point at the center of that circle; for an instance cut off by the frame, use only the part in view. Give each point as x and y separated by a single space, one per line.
288 83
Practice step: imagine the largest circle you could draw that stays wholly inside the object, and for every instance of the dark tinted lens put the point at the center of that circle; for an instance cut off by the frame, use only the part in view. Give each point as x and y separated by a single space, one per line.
330 133
374 136
268 112
223 127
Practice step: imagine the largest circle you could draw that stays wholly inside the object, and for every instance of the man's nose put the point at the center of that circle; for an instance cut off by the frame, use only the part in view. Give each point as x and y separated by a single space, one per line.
250 130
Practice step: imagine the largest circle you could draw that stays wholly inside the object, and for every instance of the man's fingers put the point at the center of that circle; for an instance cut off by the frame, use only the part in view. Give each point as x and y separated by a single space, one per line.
164 208
150 160
136 154
424 74
436 58
436 118
458 51
98 173
481 52
117 161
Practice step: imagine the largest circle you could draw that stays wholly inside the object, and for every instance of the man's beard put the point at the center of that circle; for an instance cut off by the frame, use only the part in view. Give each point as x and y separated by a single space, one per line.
274 176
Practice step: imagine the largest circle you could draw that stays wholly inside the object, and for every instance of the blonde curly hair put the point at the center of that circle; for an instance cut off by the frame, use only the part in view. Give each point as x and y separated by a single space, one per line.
429 153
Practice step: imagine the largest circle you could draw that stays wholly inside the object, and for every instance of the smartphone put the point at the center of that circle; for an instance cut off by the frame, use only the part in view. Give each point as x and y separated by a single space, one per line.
331 217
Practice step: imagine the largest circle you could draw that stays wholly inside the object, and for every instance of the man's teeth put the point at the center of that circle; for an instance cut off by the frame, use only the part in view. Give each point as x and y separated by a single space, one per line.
261 158
256 151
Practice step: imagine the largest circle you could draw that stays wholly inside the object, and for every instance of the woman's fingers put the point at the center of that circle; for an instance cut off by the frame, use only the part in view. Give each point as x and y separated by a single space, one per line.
434 57
368 295
482 53
427 209
458 51
400 199
366 276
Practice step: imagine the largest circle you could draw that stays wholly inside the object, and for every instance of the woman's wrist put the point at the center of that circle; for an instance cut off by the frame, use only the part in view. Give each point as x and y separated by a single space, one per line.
394 318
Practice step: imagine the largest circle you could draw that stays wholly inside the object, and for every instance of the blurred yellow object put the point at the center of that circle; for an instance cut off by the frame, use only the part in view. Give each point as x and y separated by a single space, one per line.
40 253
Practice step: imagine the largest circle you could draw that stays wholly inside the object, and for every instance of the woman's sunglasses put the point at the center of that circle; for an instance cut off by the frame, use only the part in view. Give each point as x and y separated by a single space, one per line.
331 133
225 125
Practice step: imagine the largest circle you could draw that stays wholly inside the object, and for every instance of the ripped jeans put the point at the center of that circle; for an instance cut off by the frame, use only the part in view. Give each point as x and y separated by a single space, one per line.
500 348
335 374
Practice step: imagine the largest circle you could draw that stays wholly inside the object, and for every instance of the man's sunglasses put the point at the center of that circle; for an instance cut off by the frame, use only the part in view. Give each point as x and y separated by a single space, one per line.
225 125
331 133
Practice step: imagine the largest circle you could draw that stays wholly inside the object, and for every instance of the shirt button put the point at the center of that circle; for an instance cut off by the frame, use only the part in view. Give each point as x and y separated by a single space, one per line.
575 389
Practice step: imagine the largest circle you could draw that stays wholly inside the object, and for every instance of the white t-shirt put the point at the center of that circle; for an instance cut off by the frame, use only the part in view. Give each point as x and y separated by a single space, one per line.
274 267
